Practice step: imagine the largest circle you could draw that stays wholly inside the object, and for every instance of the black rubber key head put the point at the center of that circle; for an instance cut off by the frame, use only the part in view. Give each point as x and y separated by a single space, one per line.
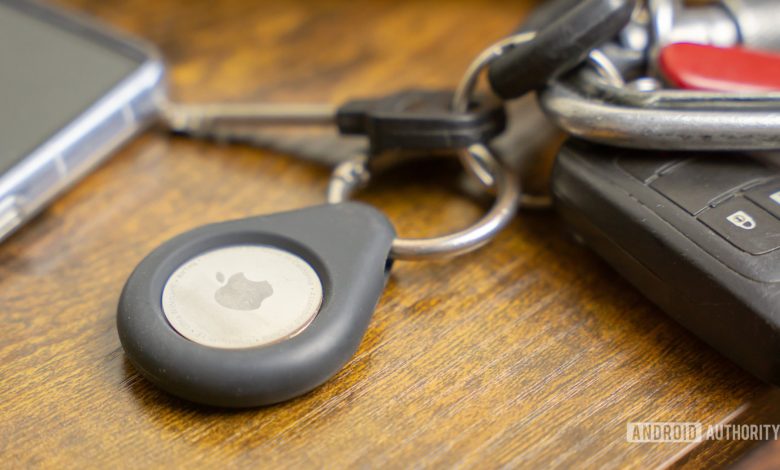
558 47
421 120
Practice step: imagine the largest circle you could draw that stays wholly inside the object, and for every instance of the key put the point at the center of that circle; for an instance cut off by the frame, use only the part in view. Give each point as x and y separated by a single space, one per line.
559 46
408 120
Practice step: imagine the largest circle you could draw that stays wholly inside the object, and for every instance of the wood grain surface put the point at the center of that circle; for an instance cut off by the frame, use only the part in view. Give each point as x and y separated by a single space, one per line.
528 353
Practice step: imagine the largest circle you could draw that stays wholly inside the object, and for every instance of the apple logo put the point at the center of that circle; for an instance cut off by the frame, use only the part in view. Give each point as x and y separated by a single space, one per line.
239 293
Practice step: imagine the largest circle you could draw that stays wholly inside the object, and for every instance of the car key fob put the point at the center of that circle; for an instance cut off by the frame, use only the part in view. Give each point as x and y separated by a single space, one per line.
698 234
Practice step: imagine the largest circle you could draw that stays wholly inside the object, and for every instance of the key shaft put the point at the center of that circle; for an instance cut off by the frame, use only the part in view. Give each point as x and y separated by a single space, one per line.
205 119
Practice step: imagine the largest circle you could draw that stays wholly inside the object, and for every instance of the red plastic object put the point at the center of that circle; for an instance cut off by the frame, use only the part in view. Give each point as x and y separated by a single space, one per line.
699 67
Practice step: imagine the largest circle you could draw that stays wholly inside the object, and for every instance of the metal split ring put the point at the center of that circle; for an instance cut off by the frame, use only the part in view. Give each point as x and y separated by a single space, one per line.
354 174
605 68
478 160
464 93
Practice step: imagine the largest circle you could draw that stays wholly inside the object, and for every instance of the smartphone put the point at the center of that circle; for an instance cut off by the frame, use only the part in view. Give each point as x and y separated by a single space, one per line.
71 92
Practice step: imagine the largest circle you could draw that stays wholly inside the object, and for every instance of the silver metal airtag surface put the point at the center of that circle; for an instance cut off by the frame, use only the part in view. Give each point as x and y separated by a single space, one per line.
242 296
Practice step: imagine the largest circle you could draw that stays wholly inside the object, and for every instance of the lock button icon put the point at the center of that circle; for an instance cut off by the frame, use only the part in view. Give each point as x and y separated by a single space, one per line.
742 220
745 225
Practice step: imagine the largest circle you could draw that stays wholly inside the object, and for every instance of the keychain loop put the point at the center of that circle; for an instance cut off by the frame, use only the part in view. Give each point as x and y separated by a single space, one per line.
606 68
473 162
354 174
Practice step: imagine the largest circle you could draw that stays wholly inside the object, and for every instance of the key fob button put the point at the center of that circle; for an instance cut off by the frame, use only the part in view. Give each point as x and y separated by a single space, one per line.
744 224
768 197
699 182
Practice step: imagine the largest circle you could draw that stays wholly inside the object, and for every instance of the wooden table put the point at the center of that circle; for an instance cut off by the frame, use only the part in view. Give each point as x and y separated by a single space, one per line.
529 352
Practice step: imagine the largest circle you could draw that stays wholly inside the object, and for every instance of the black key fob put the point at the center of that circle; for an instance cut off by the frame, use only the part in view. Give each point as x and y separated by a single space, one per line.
256 311
699 234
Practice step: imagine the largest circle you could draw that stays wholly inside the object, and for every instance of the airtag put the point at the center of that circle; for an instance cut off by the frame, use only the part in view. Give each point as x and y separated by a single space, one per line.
242 296
256 311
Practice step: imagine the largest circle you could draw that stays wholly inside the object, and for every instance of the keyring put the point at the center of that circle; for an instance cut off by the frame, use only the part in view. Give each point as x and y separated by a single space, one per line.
473 161
355 174
606 68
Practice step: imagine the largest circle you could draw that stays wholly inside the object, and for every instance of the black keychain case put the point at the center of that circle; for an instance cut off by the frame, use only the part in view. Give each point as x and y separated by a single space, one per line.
346 244
698 234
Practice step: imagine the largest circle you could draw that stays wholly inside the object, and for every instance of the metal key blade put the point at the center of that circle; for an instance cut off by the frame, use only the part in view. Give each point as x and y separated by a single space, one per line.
258 124
205 119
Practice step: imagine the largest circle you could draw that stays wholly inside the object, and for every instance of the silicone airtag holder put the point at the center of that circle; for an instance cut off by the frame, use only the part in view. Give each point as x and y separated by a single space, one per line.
347 245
